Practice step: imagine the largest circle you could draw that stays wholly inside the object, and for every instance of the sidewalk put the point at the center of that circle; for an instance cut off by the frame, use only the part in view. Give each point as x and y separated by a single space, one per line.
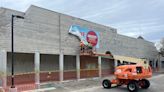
72 85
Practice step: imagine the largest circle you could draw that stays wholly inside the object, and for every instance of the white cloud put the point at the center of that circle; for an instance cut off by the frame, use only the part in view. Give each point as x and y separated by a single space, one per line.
131 18
109 9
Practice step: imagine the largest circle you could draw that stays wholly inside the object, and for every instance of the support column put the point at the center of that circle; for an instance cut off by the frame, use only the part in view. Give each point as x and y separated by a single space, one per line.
37 69
159 62
61 66
115 64
99 66
3 68
78 66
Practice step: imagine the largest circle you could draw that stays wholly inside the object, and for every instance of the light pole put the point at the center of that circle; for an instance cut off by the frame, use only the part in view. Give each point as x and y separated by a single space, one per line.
12 48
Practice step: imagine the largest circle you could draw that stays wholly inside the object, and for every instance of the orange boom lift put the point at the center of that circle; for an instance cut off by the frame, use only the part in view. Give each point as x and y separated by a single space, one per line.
134 76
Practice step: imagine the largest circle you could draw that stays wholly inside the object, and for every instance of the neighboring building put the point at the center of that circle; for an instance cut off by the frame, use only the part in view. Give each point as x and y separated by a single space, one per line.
42 38
161 63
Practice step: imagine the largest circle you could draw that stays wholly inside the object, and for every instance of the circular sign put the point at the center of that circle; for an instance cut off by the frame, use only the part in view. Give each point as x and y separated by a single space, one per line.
92 38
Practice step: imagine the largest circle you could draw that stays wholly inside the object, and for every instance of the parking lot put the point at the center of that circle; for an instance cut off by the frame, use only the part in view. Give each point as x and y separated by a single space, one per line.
94 85
156 86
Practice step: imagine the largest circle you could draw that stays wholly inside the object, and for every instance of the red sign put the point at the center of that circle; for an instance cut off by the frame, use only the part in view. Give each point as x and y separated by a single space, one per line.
92 38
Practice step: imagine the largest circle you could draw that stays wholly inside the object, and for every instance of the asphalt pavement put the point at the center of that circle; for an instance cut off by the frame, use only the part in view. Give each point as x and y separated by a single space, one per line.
94 85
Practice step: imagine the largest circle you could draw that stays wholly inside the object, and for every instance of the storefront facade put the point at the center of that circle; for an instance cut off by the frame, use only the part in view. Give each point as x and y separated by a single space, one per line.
45 51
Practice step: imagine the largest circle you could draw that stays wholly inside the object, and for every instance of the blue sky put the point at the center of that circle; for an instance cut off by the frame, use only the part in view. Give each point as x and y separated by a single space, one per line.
129 17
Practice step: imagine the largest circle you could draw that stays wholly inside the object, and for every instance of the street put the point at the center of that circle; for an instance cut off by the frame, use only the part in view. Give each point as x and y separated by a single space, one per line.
156 86
94 85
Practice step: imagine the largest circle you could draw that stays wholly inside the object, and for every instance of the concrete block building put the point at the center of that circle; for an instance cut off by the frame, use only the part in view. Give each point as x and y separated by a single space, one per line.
45 51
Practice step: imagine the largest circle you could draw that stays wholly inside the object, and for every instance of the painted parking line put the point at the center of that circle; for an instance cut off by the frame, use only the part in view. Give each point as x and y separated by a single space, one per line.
41 90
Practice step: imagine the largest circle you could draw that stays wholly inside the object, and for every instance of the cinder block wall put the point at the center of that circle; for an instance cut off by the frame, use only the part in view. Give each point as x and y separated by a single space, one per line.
47 32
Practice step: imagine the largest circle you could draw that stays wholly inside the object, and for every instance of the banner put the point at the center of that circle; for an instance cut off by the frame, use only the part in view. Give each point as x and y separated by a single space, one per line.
85 35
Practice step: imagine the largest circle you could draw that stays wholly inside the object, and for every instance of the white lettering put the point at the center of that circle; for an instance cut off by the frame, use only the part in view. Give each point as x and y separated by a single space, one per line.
92 36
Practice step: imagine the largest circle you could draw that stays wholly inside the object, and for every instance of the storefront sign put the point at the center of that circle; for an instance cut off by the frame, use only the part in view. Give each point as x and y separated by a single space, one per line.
85 35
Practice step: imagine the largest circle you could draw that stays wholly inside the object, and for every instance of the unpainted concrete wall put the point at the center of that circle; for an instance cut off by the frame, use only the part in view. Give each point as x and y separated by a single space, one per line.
47 32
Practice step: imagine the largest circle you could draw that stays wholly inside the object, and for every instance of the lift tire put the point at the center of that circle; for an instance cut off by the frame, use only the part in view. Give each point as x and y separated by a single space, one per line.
133 86
106 83
146 83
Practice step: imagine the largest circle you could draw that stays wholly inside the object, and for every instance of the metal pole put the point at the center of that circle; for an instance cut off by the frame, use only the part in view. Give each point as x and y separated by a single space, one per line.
12 48
12 52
